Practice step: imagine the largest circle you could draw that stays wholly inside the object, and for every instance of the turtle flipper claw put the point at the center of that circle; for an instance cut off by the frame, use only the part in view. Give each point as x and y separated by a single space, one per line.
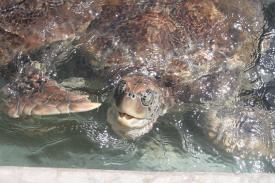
51 100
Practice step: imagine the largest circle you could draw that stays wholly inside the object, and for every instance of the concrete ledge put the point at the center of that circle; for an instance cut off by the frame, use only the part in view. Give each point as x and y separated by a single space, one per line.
60 175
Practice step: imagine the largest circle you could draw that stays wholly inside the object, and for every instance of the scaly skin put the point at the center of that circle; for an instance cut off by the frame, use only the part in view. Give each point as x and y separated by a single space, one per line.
138 102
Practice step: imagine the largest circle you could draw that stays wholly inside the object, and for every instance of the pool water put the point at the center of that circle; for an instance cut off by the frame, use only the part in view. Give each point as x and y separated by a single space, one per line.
85 140
82 141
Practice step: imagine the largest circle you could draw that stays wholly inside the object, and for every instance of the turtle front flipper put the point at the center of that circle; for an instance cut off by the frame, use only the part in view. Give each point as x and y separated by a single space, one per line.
51 99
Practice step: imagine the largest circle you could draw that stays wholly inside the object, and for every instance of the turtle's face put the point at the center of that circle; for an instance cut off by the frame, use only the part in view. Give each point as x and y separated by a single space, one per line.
136 105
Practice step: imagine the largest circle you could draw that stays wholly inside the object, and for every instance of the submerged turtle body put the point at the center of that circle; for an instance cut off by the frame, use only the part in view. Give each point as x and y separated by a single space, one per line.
241 130
29 25
26 25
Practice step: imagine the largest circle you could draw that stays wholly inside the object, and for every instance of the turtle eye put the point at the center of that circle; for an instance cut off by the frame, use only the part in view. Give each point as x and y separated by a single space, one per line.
147 97
121 87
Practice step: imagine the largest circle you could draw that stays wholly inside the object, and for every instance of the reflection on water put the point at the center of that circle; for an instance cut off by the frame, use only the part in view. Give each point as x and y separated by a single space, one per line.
176 143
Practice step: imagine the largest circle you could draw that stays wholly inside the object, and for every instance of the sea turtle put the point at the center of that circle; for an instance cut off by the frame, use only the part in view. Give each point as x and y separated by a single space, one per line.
160 54
29 25
187 52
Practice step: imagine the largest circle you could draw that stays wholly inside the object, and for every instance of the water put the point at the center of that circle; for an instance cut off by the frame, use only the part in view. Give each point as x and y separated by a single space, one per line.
82 141
86 141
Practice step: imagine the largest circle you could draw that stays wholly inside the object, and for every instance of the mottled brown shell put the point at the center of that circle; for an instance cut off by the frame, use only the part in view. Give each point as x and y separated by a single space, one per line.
26 25
184 39
39 22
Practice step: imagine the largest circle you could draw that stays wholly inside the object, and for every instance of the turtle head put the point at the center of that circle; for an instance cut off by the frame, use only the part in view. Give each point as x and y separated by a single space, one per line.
137 102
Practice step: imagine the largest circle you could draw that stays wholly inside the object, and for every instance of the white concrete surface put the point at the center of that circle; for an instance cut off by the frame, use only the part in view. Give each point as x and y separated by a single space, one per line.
60 175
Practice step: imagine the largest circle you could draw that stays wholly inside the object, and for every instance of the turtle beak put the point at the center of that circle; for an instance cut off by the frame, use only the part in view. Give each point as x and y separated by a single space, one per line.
129 121
126 125
124 119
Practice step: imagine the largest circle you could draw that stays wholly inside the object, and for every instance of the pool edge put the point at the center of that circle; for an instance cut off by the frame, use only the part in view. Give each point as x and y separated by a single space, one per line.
12 174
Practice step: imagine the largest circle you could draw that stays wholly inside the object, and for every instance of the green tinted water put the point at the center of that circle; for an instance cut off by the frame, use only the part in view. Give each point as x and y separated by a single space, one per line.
86 141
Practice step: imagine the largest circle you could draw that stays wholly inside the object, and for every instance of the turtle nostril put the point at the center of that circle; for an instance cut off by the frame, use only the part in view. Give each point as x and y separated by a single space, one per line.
131 95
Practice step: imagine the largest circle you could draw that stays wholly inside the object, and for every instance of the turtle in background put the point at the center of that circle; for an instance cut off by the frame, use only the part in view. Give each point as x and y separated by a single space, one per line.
29 25
161 55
